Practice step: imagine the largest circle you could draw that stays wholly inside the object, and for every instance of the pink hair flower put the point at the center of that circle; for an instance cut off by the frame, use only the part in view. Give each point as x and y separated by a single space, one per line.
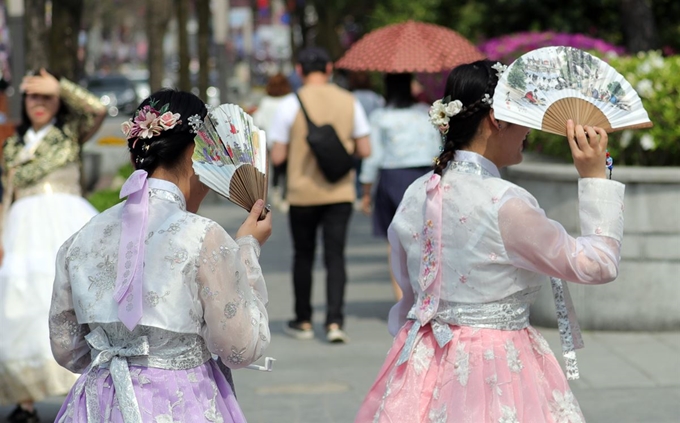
168 120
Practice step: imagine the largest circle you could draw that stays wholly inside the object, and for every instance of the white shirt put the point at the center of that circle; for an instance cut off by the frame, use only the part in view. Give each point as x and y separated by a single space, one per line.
264 115
400 138
32 140
279 131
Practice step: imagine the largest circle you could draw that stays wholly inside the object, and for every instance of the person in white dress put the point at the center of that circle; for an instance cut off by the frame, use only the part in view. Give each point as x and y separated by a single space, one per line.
42 207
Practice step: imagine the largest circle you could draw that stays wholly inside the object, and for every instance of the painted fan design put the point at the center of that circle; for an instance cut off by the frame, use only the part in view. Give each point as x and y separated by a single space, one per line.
546 87
230 155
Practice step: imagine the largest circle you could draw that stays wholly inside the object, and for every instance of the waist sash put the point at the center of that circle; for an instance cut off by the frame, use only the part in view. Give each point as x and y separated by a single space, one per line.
118 359
510 313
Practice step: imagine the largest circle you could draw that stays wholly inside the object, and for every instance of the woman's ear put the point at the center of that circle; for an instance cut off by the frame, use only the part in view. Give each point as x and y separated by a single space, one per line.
494 122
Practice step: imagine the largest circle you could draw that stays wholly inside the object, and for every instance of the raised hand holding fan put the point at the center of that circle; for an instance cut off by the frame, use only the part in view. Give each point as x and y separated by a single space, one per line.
546 87
230 155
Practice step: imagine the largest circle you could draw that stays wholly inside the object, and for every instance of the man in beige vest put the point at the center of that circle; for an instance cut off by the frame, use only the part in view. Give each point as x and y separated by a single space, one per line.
313 200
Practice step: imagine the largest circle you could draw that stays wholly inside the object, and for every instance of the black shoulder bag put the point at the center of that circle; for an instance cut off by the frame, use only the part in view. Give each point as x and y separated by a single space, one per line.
333 159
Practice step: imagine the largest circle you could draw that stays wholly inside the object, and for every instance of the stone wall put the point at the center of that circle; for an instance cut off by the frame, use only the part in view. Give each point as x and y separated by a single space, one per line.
646 295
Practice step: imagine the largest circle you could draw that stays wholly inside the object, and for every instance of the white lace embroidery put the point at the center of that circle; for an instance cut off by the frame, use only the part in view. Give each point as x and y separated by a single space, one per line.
388 391
512 354
421 357
509 415
462 365
493 382
564 408
438 416
538 342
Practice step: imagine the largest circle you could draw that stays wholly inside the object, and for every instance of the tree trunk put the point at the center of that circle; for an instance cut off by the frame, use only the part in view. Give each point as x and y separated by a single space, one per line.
203 48
639 26
63 37
326 29
35 35
182 11
158 14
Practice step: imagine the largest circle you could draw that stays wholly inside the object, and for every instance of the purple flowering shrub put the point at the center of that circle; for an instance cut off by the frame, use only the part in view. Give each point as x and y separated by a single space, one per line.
509 47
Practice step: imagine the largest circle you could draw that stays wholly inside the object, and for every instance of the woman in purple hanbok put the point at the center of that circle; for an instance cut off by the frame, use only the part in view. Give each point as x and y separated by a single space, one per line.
147 292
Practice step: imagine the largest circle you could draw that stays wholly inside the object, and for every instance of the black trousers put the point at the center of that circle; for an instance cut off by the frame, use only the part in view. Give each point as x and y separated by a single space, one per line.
334 221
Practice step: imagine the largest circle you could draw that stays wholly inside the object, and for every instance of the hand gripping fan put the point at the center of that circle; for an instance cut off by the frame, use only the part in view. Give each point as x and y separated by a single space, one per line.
546 87
230 155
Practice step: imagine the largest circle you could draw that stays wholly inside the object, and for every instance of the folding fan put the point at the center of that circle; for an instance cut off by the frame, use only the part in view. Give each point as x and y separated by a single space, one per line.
546 87
230 155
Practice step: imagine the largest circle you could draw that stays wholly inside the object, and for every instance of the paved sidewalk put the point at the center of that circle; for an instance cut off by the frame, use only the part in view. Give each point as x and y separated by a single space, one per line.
626 377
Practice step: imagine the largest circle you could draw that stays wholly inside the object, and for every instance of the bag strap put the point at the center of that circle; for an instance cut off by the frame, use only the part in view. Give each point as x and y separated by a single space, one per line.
304 111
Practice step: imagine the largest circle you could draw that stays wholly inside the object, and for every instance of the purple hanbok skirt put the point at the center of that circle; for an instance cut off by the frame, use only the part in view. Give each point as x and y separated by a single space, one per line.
193 395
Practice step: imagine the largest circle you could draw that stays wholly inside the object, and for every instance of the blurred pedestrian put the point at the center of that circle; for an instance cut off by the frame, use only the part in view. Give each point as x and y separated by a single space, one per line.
403 146
471 252
277 88
361 87
43 206
147 291
314 201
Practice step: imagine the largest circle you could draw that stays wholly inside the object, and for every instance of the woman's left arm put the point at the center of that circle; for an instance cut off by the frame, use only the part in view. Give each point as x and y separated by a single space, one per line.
536 243
234 296
67 336
87 108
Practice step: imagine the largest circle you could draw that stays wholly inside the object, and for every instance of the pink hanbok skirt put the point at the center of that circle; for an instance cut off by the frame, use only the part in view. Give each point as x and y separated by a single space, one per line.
200 394
481 376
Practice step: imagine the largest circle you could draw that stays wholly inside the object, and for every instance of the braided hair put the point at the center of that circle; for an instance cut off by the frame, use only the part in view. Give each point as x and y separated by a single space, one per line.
467 83
166 149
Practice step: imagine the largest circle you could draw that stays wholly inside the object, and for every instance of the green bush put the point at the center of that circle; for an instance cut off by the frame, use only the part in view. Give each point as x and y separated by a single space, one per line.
104 199
108 197
657 81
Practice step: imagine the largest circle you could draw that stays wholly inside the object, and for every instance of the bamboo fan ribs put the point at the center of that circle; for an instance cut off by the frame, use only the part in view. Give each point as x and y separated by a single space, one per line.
546 87
230 155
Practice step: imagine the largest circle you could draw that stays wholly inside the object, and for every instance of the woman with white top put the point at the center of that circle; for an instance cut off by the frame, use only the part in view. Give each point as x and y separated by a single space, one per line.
403 146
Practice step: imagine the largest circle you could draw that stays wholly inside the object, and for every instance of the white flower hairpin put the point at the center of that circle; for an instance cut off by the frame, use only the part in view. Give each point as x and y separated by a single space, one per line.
499 68
441 112
195 122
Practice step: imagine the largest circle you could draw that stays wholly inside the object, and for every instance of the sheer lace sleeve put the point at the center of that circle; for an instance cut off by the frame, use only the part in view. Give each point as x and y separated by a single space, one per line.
234 295
398 313
542 245
67 336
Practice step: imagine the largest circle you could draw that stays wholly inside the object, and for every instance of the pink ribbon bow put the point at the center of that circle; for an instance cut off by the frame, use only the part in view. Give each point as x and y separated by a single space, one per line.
429 277
128 289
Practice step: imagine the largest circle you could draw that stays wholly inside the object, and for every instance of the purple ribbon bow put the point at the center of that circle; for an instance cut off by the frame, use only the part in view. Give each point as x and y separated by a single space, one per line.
128 289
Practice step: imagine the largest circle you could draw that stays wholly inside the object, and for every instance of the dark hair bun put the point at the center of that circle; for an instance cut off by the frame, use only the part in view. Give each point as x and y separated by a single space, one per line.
166 147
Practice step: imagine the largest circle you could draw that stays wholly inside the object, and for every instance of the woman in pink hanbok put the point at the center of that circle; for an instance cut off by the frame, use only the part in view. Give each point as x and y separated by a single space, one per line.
148 292
470 252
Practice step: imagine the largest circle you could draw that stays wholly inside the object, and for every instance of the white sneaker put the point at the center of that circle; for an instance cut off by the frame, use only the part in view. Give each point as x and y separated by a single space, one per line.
335 335
275 196
301 331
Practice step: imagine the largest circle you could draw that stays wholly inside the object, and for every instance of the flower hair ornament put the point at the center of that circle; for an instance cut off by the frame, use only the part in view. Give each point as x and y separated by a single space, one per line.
150 121
441 112
499 68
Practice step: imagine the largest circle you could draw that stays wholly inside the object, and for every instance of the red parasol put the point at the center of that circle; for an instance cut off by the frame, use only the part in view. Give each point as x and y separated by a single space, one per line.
410 47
